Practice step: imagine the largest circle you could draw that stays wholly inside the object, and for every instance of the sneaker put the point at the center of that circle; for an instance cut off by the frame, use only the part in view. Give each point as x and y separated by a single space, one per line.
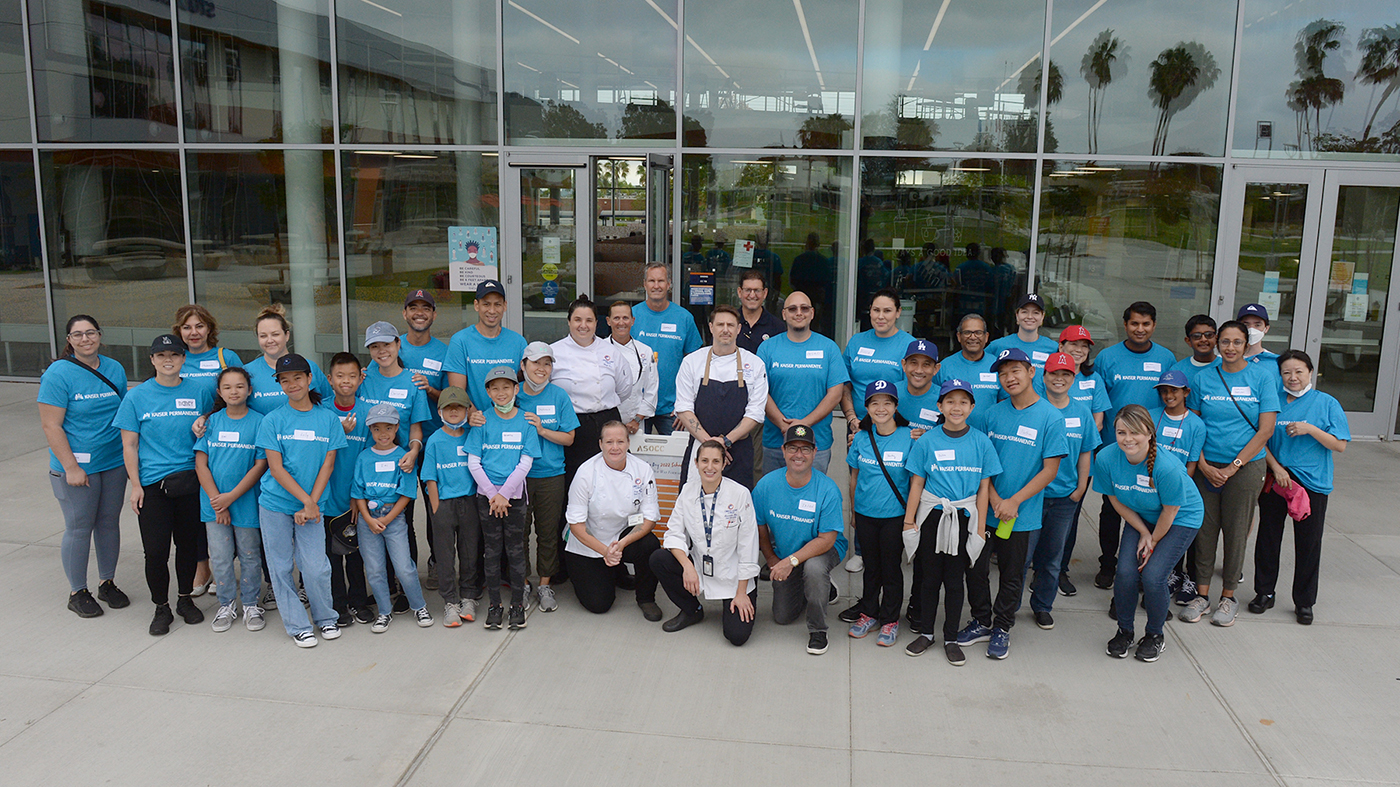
888 634
650 610
517 617
1262 603
269 600
381 624
224 618
1000 645
862 626
160 622
545 599
430 580
918 646
330 631
1113 608
494 613
84 605
856 564
954 654
973 633
816 643
343 618
1150 647
1174 580
1225 612
109 593
400 604
305 639
186 609
362 615
1104 579
1197 607
254 618
1044 620
424 617
850 614
1118 646
1067 587
834 595
527 599
452 615
469 609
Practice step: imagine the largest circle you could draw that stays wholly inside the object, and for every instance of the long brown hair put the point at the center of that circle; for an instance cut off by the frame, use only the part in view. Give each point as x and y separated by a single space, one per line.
1135 419
184 313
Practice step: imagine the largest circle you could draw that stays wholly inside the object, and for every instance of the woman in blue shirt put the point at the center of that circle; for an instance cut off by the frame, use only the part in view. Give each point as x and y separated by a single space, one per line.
196 326
158 449
274 332
1310 428
78 397
547 407
1162 511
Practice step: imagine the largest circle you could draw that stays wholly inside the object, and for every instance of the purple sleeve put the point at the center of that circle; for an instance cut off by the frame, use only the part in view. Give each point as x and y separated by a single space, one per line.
483 484
514 487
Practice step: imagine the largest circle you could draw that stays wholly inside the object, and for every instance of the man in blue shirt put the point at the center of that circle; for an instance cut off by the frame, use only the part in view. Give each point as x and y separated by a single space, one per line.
672 335
975 283
973 365
1200 337
477 349
805 380
799 533
424 355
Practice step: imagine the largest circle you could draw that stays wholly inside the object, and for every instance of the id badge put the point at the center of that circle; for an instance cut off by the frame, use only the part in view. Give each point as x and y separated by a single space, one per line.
635 520
707 565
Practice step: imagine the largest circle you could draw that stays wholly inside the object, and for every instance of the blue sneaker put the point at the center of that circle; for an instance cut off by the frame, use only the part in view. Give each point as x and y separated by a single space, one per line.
888 634
999 645
973 633
862 626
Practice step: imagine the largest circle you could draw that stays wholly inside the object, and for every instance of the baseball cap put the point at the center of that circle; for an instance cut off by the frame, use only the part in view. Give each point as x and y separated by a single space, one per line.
382 414
1059 362
1076 333
345 536
881 387
1010 354
1031 299
489 286
420 295
453 395
800 433
380 332
291 362
949 386
534 351
922 347
1173 378
500 373
169 342
1253 310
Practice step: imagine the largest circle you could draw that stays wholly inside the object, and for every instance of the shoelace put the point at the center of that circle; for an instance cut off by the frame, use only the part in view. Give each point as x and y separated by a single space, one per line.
227 611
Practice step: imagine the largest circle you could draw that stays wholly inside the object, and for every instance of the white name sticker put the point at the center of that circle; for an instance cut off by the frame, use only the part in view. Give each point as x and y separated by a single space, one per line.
510 437
1240 390
398 393
1071 423
228 437
1026 432
185 404
1039 356
807 505
927 414
1171 431
946 455
814 353
303 434
432 364
544 409
384 467
461 450
894 456
1151 366
1143 480
987 377
1087 385
668 327
82 458
208 364
866 351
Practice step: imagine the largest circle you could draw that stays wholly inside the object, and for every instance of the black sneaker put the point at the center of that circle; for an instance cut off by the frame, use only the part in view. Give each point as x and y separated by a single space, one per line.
160 624
401 605
918 646
1150 647
186 609
1118 646
850 614
517 616
1067 587
1044 620
1262 603
1113 608
84 604
954 653
344 618
816 643
1104 579
362 615
494 613
109 593
832 597
650 610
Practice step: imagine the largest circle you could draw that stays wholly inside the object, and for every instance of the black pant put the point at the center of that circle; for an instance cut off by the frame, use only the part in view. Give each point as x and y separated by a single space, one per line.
594 581
503 534
940 571
162 520
348 586
1110 527
584 447
672 579
1307 546
1011 568
882 590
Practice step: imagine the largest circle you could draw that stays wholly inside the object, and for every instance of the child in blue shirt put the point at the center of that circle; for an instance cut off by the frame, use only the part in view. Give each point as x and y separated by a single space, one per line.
1181 433
381 492
349 591
451 492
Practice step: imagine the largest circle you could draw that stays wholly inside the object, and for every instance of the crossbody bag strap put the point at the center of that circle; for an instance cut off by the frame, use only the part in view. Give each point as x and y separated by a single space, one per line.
97 374
1252 425
881 460
222 363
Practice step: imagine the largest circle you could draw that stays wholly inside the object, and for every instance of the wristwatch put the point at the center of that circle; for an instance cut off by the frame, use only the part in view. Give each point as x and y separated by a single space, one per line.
1237 463
728 444
794 561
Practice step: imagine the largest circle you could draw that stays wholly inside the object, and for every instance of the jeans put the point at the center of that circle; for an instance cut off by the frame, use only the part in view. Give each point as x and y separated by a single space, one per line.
773 460
285 542
498 534
394 542
1307 546
939 570
807 587
226 542
1011 555
91 518
1229 512
165 519
659 423
456 538
1048 558
595 584
1152 580
672 579
882 589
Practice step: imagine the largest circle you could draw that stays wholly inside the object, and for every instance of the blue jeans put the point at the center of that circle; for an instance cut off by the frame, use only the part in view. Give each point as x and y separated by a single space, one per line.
773 460
283 542
394 542
659 423
226 541
1153 577
1057 520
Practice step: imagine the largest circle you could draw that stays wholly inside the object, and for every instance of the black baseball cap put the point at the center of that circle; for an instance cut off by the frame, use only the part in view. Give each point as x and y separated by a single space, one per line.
420 295
1031 299
291 362
169 342
800 433
489 286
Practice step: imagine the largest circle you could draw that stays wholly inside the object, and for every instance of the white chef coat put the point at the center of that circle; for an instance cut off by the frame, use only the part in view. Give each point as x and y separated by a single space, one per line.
733 535
723 370
641 362
602 498
594 377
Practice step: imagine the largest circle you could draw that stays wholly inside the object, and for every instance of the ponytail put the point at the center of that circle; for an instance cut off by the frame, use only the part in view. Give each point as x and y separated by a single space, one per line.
67 329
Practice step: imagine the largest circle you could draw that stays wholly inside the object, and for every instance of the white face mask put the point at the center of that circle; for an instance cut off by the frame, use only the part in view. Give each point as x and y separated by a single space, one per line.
457 425
1255 336
1296 394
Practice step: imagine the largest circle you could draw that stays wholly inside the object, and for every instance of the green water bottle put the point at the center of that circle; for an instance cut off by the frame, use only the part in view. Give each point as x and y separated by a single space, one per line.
1004 527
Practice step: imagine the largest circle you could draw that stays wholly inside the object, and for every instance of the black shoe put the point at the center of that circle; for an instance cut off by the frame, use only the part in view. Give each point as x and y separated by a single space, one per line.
517 616
833 595
362 615
1150 647
918 646
624 580
186 609
1304 615
1044 620
1067 588
1118 646
650 610
344 617
1261 603
112 595
683 619
160 624
1104 579
401 604
816 643
850 614
954 653
84 604
494 613
1113 608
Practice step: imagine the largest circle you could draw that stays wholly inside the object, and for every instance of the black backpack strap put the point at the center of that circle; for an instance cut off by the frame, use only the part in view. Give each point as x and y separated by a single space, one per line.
96 373
1252 425
880 459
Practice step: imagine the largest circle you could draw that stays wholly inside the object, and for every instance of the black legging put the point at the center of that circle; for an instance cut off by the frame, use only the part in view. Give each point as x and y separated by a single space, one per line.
594 580
164 519
882 588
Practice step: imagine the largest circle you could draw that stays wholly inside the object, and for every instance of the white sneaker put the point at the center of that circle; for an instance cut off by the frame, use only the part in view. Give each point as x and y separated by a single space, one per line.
425 618
547 602
223 620
381 624
855 564
305 640
331 631
253 618
1225 612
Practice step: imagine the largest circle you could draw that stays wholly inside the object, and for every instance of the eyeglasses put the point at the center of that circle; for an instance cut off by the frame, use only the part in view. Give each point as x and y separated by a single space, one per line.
972 333
803 309
752 290
1232 342
800 448
84 334
1196 337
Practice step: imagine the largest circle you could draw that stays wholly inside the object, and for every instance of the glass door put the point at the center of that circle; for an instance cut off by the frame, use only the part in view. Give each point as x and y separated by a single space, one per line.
544 197
620 237
658 218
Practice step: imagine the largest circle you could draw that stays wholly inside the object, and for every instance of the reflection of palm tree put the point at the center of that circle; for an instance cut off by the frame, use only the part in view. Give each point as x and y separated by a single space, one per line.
1314 90
1107 58
1179 75
1380 63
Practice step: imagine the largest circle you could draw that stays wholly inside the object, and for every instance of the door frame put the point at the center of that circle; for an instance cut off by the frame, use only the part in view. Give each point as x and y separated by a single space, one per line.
511 246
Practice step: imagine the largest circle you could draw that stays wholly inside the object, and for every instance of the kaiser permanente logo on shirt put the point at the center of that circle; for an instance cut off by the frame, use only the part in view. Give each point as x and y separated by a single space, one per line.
1025 435
782 365
1141 484
230 440
1151 372
81 397
304 435
182 407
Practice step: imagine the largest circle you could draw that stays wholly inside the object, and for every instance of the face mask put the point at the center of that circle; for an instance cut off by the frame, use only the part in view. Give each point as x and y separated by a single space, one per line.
531 388
1255 336
457 425
507 407
1296 394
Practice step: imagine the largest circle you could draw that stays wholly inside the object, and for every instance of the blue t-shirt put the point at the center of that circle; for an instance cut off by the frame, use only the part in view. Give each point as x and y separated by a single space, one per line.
869 358
1039 351
400 393
1171 486
799 375
1183 437
474 355
1268 361
501 441
163 417
1023 440
874 498
556 413
445 463
380 482
1131 378
205 367
953 467
303 439
986 389
90 405
921 411
672 335
1227 431
267 393
343 476
1081 436
1188 367
429 361
1307 460
796 516
1090 392
228 444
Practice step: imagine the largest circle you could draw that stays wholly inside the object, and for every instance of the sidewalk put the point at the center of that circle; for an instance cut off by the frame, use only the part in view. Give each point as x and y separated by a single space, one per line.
581 699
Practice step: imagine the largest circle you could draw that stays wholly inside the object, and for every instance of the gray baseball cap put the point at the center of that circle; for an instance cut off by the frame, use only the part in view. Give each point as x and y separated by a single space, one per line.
382 414
501 373
380 332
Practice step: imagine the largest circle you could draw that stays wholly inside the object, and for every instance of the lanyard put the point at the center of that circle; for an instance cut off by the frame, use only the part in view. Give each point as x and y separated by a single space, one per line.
708 518
1180 429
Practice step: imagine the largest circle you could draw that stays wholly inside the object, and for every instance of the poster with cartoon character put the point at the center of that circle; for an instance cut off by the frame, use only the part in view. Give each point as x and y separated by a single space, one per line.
471 256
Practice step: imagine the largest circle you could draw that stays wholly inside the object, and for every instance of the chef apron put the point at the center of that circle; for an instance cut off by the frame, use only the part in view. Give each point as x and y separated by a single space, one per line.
720 407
